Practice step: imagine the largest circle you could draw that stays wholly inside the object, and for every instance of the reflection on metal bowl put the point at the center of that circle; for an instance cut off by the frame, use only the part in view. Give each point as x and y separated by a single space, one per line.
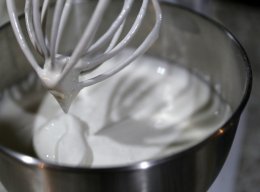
187 38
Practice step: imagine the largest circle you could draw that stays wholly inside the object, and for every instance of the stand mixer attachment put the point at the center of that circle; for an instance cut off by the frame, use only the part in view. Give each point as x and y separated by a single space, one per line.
65 75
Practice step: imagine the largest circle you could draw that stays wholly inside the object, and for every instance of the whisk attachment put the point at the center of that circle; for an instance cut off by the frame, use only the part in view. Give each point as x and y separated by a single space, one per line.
64 75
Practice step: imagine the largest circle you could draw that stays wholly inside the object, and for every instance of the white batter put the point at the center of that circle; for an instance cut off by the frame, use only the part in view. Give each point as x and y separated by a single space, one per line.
148 110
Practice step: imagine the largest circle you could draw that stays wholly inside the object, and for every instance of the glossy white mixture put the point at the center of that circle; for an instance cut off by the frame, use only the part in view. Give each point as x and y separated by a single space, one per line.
148 110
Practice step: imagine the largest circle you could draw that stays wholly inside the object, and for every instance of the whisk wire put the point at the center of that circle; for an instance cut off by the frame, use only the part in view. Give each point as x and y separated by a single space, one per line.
55 29
115 38
29 26
98 60
38 28
88 35
64 17
44 11
139 51
88 52
20 37
112 29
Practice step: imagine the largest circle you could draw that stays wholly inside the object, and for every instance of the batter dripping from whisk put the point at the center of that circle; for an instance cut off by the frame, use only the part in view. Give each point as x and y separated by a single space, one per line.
60 73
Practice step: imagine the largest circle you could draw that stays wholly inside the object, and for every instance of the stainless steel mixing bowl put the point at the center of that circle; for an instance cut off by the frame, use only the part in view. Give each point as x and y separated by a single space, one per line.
187 38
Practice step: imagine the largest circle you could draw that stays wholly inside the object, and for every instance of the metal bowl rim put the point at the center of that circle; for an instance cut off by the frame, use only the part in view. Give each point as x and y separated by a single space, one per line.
29 161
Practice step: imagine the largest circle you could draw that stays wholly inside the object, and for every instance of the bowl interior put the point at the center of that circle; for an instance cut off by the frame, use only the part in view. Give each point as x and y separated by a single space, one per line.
186 38
192 41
